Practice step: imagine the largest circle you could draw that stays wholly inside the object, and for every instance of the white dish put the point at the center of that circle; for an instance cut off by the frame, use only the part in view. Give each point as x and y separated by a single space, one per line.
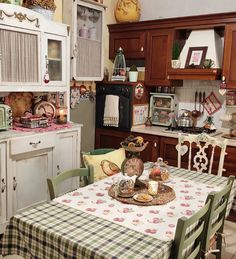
143 197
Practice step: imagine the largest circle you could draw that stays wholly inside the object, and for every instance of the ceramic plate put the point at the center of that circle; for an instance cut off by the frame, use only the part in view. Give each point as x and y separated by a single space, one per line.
143 197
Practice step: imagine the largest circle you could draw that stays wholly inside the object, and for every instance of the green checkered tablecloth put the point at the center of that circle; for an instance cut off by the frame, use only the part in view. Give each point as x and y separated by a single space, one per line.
56 231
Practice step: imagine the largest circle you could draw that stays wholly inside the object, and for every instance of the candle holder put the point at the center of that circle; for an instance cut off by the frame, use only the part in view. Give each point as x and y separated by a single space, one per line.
61 117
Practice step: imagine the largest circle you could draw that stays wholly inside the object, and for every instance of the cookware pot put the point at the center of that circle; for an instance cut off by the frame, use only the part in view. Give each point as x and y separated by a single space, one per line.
185 120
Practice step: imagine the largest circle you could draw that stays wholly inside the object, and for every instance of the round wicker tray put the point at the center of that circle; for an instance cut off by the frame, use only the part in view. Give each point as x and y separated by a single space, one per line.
165 195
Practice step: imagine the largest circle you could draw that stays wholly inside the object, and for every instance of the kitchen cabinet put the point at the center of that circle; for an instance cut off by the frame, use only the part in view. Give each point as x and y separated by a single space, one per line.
67 156
229 63
132 42
158 56
3 191
32 50
86 20
55 59
105 138
31 163
27 161
151 152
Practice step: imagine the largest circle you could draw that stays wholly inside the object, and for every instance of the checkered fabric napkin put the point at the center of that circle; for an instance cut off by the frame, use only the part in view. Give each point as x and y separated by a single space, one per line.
209 179
53 230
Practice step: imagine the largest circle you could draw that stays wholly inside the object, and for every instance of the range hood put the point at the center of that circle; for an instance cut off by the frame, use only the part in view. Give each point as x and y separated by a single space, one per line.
200 38
204 38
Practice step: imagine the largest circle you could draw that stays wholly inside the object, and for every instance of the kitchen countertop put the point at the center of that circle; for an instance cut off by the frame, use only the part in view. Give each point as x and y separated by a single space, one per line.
15 134
160 131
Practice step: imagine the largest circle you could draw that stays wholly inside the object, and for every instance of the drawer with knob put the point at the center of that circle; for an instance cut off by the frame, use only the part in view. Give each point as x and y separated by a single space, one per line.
32 143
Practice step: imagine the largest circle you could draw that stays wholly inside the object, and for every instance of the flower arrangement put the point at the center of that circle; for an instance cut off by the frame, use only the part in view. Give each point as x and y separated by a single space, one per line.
45 4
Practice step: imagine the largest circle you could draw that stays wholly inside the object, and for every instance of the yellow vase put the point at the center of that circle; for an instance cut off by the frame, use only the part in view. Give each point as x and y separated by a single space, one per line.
127 11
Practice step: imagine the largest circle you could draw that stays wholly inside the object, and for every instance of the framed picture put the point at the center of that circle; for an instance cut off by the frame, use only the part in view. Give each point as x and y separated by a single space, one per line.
195 57
211 103
140 114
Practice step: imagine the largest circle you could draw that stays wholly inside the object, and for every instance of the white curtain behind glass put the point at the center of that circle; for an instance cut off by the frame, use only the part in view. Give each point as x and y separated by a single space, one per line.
19 56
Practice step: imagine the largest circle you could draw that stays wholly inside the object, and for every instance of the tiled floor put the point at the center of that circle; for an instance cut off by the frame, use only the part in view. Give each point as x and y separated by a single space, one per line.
229 251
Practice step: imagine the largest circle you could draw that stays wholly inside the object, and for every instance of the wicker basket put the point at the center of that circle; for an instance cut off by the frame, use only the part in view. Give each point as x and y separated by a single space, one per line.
134 149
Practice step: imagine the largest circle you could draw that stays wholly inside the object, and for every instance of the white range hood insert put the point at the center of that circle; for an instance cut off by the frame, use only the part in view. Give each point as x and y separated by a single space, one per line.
204 38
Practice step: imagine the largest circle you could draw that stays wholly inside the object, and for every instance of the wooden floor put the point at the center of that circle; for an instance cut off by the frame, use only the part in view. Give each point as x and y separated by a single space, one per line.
229 251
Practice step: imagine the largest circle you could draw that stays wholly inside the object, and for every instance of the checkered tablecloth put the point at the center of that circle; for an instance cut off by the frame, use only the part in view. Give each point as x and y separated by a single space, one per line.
53 230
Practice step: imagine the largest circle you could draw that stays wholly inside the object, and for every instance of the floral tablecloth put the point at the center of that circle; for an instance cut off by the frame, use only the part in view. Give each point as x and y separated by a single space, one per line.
158 221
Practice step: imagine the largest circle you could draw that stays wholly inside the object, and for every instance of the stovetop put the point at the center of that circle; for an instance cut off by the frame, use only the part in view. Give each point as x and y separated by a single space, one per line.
190 130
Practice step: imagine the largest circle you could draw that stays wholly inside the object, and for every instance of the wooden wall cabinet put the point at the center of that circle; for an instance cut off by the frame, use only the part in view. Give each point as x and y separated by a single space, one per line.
158 57
133 44
229 63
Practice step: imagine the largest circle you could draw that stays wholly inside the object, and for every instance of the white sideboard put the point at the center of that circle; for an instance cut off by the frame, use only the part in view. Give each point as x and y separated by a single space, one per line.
27 160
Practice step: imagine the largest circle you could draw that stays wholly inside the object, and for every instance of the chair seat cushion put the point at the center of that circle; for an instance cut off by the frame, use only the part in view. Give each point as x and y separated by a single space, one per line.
106 164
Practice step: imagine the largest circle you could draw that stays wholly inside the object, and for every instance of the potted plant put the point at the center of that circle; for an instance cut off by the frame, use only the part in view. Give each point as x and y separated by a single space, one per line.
175 62
133 73
45 7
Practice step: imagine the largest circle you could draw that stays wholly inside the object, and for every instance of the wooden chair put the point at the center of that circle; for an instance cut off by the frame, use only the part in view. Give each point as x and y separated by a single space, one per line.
215 224
189 234
204 144
54 183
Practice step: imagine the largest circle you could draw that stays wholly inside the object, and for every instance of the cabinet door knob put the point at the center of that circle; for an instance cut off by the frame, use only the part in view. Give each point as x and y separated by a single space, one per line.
3 185
14 183
141 49
155 144
168 77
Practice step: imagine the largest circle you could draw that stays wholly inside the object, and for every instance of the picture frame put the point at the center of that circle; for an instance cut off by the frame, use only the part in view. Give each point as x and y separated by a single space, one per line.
211 103
195 57
140 113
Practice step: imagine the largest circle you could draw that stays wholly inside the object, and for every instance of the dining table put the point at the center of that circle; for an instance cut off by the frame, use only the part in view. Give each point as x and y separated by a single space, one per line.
89 223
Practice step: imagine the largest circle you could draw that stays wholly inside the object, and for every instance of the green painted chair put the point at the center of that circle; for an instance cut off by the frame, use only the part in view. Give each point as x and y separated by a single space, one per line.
215 225
189 234
54 183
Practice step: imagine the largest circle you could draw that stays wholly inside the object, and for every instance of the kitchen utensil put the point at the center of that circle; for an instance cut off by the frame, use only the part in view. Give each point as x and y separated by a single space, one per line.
200 102
185 119
203 100
195 113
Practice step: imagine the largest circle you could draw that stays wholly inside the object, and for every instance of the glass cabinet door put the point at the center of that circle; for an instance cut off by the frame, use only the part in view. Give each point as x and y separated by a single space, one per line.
88 42
55 61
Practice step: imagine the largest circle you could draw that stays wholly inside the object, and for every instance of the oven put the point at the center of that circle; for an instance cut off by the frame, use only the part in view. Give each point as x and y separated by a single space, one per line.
132 96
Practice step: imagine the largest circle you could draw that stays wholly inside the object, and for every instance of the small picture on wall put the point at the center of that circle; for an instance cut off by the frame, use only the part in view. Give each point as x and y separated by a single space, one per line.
211 104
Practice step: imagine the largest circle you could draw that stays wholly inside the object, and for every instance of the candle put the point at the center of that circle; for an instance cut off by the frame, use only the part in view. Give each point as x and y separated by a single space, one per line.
61 117
153 187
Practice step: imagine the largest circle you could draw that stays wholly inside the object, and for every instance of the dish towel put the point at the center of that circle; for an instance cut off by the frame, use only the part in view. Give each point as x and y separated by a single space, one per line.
111 111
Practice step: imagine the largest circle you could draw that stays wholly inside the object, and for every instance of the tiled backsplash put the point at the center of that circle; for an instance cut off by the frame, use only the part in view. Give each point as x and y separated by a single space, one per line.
186 96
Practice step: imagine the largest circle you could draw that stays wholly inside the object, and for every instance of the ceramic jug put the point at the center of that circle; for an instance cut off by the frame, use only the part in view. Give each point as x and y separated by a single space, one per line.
84 32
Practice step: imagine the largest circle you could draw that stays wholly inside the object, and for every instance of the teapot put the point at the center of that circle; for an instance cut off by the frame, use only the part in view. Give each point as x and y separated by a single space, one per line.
185 119
84 32
126 186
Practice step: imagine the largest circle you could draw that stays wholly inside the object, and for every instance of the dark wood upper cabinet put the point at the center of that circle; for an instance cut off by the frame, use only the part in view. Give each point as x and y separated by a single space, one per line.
152 42
229 63
133 44
158 57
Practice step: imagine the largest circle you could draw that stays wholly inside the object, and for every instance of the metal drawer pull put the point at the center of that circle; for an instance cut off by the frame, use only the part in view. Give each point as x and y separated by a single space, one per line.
14 183
3 187
35 143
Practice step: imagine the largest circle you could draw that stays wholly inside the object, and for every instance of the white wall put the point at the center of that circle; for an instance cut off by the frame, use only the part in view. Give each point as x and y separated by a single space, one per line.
156 9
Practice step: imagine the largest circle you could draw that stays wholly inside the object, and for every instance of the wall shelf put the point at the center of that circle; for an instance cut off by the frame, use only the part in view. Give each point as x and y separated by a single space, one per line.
194 74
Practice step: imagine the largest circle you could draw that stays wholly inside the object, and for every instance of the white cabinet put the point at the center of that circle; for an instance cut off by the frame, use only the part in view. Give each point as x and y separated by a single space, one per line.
31 47
3 189
31 162
67 156
162 108
86 19
55 60
27 161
